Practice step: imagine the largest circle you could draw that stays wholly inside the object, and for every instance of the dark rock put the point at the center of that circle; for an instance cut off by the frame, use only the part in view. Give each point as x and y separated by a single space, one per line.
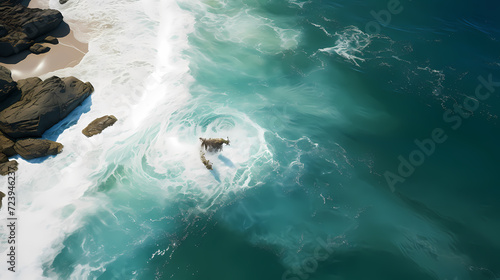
7 167
15 95
98 125
12 98
62 2
1 197
3 30
9 2
42 105
26 85
23 25
39 48
6 49
7 85
3 158
35 148
51 39
6 146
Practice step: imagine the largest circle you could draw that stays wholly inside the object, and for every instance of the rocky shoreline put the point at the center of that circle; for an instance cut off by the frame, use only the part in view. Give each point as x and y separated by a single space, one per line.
29 107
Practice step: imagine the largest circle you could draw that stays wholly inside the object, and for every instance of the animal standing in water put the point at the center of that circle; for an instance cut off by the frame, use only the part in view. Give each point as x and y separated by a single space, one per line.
211 145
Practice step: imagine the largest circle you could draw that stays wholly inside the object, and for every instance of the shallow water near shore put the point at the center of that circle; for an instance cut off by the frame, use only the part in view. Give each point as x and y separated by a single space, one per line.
317 109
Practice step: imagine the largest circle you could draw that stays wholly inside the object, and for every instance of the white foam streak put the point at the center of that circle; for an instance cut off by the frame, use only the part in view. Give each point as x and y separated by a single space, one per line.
136 64
350 44
248 27
133 79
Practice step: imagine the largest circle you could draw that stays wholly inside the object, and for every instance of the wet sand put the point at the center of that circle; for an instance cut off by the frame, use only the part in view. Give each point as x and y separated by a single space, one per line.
68 53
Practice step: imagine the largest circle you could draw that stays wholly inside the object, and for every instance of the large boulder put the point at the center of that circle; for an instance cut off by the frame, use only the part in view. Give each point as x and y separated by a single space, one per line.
7 85
35 148
20 26
42 105
98 125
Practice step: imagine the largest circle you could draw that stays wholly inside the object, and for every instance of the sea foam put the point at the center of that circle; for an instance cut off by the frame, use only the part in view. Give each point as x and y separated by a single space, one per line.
139 74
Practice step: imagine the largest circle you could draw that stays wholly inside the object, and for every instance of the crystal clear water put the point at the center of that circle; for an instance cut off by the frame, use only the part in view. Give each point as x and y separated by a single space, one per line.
359 148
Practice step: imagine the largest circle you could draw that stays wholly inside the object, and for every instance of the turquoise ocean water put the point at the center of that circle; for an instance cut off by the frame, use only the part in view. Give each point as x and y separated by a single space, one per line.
360 149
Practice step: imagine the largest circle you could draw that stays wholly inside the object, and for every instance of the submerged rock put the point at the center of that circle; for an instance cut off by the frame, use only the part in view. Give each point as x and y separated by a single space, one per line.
20 26
98 125
35 148
42 105
7 167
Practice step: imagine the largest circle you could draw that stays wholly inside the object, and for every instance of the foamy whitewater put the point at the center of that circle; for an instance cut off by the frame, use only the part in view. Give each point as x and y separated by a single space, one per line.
317 110
140 75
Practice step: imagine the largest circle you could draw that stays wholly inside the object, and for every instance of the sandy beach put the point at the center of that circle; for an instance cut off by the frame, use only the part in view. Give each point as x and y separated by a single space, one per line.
68 53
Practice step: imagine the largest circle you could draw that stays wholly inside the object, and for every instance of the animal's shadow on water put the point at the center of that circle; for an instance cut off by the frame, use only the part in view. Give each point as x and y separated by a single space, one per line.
70 120
227 161
216 174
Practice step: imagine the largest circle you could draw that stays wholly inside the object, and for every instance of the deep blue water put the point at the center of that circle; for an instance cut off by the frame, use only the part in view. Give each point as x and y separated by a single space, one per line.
337 107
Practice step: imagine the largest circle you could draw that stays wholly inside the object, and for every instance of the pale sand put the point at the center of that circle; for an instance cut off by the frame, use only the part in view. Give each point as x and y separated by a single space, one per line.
68 53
